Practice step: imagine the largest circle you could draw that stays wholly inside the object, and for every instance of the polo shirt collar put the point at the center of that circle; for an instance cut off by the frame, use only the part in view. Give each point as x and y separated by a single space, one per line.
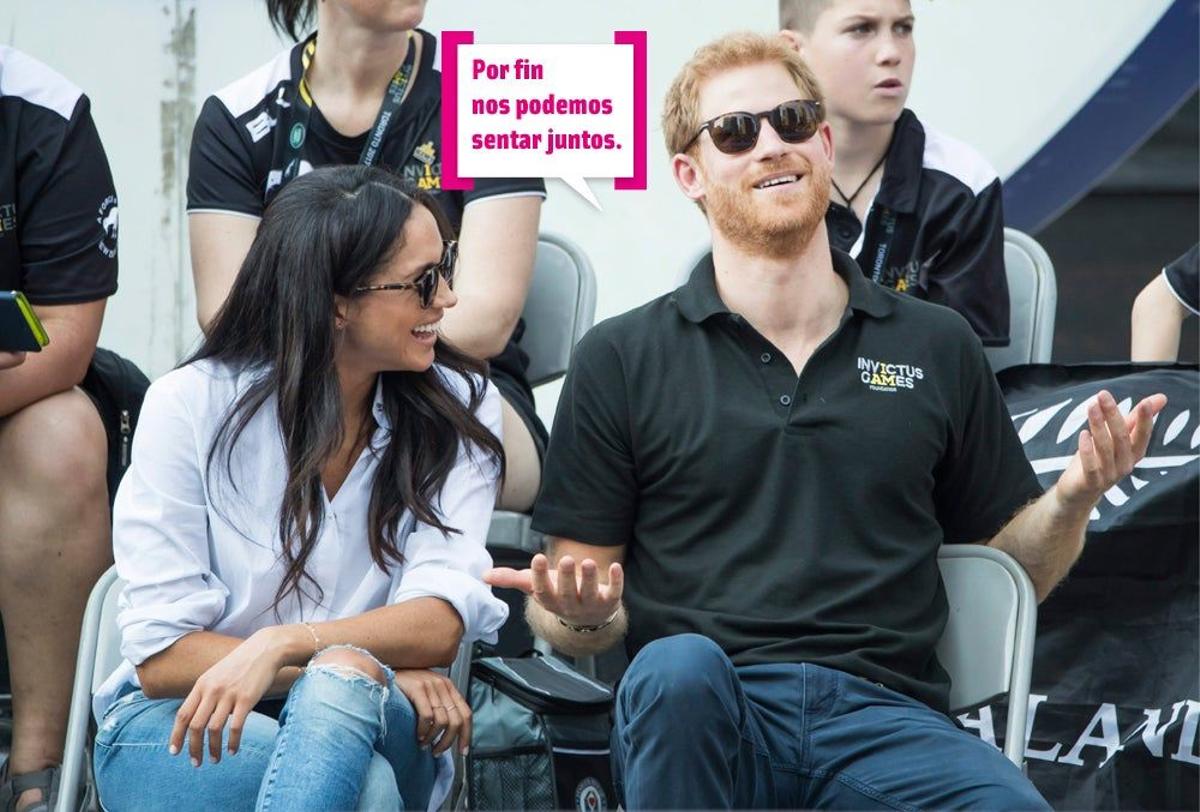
901 182
698 300
865 296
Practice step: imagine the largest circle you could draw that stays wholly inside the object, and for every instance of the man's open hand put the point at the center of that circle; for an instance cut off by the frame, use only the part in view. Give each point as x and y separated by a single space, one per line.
573 593
1109 448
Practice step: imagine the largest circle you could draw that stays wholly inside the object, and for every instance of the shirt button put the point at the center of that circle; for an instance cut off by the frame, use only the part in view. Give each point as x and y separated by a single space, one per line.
786 400
765 357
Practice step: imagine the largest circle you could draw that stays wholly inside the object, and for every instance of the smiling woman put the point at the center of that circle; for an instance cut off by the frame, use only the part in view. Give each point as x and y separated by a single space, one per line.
316 484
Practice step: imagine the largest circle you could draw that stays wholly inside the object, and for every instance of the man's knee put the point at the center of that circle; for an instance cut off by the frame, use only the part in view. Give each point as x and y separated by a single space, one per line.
684 670
1013 792
55 447
349 662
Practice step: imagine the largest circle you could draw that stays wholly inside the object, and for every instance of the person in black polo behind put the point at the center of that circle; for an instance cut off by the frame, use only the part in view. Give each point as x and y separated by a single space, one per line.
772 455
58 246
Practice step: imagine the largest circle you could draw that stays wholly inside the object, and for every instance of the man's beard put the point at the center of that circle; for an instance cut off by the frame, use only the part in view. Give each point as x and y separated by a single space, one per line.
778 228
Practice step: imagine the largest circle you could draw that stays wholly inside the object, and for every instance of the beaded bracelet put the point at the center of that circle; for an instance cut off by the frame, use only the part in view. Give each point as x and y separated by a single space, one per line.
589 629
316 640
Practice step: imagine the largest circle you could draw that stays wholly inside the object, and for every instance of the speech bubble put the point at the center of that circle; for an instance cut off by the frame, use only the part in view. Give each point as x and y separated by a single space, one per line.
544 110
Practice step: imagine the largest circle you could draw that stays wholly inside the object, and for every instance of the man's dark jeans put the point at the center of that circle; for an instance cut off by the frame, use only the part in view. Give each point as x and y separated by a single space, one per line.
695 732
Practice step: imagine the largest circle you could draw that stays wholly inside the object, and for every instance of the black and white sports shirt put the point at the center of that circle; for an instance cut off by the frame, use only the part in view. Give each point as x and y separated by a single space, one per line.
58 205
1183 278
935 228
234 141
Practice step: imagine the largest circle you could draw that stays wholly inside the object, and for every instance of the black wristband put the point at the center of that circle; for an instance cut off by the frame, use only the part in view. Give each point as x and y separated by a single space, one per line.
589 629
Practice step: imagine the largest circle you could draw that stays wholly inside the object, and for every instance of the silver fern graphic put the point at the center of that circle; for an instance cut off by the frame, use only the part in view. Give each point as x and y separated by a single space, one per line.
1157 456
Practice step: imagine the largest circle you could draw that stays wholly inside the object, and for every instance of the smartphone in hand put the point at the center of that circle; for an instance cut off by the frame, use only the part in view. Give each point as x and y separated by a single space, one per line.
20 329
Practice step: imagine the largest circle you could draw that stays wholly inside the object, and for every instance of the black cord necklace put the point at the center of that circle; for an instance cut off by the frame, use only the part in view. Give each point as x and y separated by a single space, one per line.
850 200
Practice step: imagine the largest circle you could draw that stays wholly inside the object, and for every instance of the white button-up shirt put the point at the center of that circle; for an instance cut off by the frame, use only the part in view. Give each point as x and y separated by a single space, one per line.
201 552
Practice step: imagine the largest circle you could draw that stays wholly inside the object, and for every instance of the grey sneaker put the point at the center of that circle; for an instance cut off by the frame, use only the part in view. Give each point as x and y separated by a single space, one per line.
13 786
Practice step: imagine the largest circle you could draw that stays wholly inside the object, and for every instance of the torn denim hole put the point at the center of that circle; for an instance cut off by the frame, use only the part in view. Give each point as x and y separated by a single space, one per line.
355 676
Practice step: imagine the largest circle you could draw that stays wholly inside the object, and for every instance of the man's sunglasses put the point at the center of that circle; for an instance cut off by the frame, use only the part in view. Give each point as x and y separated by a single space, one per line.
793 121
426 284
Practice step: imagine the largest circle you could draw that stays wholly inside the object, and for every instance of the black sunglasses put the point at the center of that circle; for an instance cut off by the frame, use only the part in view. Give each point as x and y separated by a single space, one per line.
426 284
794 122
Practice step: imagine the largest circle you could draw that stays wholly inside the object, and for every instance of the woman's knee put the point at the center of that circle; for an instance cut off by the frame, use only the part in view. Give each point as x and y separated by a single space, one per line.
349 661
340 682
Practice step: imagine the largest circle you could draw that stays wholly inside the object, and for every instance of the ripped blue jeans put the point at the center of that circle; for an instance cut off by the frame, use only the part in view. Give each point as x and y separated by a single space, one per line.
343 741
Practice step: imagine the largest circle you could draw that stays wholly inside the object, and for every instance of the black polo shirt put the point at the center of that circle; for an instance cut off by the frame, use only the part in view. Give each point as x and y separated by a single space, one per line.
58 205
790 519
935 228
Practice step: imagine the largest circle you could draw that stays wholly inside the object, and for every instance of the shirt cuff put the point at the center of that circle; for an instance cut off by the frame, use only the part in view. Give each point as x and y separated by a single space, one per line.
152 626
482 612
1171 287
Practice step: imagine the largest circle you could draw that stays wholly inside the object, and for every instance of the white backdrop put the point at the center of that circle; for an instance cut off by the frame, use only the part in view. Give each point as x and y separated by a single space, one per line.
1003 75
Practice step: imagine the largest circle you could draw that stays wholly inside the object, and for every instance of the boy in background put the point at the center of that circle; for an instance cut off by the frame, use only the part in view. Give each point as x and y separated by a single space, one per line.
920 212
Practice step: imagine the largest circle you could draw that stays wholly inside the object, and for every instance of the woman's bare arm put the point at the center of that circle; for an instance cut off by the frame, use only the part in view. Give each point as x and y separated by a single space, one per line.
497 244
419 633
220 242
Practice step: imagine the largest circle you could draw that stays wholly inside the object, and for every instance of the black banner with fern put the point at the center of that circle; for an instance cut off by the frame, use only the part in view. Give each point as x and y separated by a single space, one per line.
1115 705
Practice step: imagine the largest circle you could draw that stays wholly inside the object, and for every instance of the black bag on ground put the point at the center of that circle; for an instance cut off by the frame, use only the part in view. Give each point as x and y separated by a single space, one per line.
117 387
540 736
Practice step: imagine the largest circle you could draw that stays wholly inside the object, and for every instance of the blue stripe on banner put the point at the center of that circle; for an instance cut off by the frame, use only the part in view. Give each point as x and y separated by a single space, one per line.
1142 93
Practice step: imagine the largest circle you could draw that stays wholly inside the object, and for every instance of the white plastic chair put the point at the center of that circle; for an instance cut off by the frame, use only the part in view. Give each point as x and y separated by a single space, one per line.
1033 299
987 646
100 654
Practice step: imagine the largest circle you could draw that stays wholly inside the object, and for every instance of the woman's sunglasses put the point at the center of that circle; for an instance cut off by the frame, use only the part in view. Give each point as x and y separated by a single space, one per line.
426 284
793 121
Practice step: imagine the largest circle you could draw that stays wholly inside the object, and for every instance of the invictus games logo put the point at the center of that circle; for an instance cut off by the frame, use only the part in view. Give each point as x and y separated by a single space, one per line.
426 171
425 153
880 376
589 796
106 216
905 278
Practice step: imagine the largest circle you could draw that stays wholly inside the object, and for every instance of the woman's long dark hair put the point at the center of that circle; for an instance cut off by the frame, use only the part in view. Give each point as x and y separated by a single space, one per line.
326 233
292 17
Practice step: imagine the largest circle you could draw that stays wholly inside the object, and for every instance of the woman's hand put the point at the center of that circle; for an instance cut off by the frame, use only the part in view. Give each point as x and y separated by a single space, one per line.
441 709
226 692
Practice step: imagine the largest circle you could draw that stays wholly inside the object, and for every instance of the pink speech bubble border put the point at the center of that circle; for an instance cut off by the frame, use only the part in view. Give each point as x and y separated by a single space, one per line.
636 39
450 42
